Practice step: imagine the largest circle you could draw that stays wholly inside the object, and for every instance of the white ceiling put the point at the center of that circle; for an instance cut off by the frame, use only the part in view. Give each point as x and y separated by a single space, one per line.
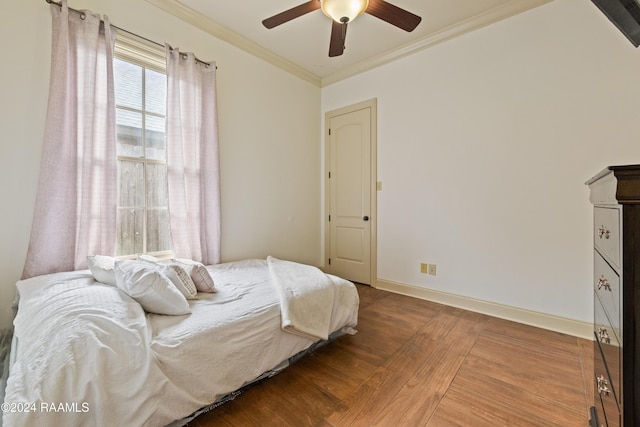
301 46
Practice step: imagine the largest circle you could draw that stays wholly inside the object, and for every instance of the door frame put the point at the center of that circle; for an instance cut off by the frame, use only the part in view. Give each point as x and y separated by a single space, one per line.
373 215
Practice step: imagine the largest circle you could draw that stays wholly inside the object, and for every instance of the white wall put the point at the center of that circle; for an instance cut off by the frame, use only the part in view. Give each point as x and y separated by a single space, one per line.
269 136
484 145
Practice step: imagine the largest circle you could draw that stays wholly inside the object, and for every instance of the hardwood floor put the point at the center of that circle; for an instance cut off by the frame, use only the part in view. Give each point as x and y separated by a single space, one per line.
417 363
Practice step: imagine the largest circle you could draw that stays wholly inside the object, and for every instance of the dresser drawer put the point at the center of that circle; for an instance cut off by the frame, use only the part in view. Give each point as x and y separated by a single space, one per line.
607 286
603 391
609 350
607 234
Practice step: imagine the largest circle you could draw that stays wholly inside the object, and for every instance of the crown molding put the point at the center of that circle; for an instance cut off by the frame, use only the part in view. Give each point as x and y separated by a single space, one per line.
484 19
506 10
221 32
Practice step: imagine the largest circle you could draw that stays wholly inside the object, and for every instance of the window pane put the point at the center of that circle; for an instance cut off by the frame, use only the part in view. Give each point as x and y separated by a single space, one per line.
129 231
143 218
128 84
131 187
157 185
155 138
156 92
158 230
129 128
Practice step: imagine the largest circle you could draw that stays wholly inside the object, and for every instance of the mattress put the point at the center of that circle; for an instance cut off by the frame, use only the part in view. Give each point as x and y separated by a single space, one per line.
87 354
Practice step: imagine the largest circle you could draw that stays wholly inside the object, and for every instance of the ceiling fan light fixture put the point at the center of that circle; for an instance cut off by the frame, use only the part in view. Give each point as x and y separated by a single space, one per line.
343 11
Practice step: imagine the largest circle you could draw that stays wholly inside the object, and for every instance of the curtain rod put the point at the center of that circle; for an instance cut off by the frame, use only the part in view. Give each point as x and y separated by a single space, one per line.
81 13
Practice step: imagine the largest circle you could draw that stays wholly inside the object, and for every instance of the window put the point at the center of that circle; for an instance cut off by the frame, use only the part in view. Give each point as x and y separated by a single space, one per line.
140 96
116 192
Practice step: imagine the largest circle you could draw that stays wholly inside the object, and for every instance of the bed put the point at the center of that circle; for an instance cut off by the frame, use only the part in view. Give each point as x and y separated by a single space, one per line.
85 353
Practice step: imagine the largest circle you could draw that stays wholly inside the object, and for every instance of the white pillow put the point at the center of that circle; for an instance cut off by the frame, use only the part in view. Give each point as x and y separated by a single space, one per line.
180 279
176 273
101 267
152 289
198 273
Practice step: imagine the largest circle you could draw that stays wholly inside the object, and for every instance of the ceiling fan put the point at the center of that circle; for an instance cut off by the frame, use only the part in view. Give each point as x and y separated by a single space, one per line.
344 11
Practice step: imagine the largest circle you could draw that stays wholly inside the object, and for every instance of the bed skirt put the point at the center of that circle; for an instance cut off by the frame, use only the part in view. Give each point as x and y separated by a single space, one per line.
270 373
6 346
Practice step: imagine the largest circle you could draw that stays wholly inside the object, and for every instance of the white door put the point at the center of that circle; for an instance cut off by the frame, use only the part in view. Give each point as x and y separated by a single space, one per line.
350 192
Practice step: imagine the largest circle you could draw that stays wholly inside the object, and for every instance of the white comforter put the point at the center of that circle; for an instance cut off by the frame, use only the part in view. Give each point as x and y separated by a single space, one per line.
88 355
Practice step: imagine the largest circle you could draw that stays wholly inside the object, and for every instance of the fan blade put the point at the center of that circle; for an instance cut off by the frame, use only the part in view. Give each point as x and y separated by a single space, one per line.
294 12
338 38
393 15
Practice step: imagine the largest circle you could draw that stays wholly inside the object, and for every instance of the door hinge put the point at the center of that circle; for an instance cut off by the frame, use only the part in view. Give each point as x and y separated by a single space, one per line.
329 175
329 131
329 218
329 261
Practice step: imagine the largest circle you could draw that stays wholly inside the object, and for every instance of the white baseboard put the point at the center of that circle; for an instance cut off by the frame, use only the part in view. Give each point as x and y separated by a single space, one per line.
528 317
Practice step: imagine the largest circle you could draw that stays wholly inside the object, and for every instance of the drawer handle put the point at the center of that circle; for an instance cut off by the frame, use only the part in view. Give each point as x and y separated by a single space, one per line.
604 283
603 232
604 335
602 386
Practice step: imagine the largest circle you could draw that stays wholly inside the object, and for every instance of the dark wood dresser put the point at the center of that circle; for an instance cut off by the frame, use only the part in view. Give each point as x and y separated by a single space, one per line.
615 194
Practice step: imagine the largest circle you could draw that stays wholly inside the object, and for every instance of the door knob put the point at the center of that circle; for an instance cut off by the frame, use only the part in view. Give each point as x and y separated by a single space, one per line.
366 218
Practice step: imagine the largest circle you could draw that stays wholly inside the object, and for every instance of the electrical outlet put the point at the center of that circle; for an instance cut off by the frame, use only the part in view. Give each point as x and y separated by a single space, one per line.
424 268
431 269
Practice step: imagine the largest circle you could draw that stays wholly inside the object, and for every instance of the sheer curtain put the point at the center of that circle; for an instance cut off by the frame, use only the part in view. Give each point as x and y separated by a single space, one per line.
192 157
75 212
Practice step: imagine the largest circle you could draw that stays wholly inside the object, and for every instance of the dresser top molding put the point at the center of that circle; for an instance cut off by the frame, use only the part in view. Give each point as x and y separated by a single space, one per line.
616 185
